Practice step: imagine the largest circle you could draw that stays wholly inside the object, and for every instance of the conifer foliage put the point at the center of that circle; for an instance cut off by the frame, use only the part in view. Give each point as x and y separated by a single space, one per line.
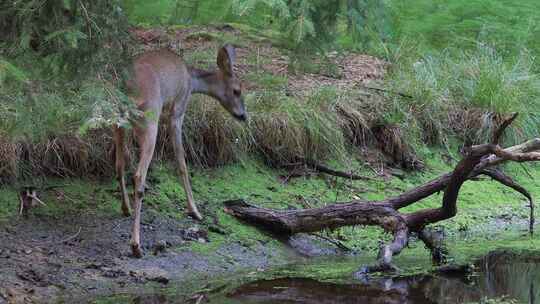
73 35
313 24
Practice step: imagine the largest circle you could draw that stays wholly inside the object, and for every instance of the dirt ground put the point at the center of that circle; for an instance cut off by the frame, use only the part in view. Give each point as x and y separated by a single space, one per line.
45 259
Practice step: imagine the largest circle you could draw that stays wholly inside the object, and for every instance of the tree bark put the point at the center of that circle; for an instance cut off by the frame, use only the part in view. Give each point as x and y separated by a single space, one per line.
385 213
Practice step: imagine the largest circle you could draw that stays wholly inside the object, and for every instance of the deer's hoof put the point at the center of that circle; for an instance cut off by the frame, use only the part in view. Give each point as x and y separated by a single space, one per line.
136 250
195 215
126 212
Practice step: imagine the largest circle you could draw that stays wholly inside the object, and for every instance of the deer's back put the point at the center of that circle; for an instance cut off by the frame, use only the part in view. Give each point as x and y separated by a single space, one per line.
158 77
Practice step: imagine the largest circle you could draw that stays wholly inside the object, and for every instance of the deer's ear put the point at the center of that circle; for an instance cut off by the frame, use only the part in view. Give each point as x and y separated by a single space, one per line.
225 59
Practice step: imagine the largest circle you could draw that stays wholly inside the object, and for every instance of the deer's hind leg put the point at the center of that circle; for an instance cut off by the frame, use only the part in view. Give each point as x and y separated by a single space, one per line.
146 135
120 164
176 122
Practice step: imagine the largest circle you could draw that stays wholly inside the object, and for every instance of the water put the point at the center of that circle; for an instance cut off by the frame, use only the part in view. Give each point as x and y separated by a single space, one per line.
497 275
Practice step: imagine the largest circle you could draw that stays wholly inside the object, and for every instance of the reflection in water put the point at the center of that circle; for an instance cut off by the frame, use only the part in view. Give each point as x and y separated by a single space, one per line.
499 275
311 291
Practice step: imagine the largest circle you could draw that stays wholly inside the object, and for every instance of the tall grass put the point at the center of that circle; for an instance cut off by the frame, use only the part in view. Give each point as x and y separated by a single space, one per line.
466 92
437 24
285 128
52 127
453 94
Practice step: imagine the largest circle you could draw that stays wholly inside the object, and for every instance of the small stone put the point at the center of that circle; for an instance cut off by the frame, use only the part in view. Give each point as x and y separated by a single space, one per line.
160 279
159 247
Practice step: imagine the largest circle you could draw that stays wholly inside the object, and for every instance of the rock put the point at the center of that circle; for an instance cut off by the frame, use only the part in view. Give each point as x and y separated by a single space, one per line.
160 247
308 245
159 279
113 273
196 234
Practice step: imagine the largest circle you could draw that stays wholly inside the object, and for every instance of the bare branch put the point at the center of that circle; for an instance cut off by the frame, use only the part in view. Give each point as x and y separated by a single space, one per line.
499 132
324 169
477 159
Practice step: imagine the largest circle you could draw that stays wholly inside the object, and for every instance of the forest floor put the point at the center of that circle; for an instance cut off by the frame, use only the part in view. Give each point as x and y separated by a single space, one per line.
75 249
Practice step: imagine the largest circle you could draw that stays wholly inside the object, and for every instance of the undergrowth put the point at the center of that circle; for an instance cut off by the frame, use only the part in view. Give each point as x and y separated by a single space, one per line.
446 98
484 207
465 93
53 127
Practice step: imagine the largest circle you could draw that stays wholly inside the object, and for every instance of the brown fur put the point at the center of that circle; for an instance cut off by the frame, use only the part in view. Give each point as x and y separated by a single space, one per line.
161 78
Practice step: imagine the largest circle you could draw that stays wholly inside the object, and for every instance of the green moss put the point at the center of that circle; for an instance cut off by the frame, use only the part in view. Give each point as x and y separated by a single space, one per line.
9 203
480 202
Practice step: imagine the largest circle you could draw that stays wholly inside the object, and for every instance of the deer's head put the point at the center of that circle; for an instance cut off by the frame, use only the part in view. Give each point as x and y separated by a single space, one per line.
228 89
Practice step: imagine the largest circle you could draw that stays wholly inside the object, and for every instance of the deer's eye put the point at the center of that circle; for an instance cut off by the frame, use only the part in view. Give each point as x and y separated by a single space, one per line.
236 92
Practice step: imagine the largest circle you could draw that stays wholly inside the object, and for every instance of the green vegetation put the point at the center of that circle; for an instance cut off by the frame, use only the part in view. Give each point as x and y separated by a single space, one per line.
50 128
453 71
482 204
507 25
466 86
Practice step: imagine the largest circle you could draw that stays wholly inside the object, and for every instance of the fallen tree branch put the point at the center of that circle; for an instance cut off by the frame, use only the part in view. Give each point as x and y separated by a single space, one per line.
434 241
332 241
439 184
385 213
324 169
499 132
315 219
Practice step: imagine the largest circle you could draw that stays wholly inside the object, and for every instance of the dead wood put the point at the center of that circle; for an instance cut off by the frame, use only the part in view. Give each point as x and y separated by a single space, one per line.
319 167
28 199
434 241
385 213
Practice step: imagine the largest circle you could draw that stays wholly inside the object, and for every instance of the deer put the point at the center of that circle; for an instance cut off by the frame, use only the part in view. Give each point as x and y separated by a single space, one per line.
159 78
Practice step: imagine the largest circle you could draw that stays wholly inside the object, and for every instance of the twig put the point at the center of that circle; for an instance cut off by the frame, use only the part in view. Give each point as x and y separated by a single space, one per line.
389 91
33 196
333 241
324 169
199 299
21 207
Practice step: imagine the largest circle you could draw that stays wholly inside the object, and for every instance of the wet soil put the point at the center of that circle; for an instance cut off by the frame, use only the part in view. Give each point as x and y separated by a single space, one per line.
74 258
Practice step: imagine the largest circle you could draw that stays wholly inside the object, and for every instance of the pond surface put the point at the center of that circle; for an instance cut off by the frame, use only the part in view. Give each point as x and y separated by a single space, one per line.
497 275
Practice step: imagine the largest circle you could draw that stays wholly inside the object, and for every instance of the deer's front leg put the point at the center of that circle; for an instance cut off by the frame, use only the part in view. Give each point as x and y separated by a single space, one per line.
177 119
146 136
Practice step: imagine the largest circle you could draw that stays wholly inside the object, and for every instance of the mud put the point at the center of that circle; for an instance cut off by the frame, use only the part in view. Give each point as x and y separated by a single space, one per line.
75 258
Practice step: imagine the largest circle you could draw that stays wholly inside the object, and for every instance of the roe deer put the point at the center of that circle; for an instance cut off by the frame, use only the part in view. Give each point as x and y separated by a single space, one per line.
161 77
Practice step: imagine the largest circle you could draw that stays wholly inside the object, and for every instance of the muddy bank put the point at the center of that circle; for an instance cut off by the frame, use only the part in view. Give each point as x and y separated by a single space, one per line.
45 259
82 254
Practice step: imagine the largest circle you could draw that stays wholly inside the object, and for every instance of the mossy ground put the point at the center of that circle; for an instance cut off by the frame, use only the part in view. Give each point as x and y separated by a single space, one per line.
490 217
480 204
